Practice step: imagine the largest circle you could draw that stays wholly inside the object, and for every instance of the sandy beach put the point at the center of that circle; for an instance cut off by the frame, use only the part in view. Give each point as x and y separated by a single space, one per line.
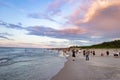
97 68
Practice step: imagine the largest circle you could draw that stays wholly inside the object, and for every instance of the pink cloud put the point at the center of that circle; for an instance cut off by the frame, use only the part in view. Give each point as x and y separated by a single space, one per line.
55 7
101 19
88 11
75 15
106 19
73 30
78 15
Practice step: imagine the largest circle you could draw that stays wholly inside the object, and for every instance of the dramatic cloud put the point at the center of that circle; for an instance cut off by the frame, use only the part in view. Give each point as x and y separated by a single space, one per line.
105 21
69 33
83 21
53 9
66 33
99 5
101 20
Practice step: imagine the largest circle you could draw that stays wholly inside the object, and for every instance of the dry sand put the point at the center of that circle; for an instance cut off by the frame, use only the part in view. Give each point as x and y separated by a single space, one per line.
97 68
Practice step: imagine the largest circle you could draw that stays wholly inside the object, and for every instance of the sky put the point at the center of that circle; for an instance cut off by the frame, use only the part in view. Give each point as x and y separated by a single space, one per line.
58 23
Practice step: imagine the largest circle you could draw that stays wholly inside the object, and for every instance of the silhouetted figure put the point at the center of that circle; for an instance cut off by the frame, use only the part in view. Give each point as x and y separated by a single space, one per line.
83 52
93 53
116 55
73 55
102 54
107 53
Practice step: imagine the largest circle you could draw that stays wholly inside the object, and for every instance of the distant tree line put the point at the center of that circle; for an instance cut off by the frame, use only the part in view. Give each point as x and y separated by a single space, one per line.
111 44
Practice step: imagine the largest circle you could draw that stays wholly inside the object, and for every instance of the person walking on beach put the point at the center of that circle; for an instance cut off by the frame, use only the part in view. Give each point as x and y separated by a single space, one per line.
73 55
107 53
87 55
83 52
79 51
93 53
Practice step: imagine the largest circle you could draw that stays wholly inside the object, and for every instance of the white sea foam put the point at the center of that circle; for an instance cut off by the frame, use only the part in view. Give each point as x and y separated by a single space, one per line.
62 54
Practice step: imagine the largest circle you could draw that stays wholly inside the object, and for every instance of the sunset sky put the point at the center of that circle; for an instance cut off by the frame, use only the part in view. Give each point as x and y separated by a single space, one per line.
58 23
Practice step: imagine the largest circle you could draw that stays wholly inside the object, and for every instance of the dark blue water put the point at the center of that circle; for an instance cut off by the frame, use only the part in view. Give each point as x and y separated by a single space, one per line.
29 63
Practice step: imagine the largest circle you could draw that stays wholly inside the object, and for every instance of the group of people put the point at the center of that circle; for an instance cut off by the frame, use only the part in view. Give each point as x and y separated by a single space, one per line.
85 53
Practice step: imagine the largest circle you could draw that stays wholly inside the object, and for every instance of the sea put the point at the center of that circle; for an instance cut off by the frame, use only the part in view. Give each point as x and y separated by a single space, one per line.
29 63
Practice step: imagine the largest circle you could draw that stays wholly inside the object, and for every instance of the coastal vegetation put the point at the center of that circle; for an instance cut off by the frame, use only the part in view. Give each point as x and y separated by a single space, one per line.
110 44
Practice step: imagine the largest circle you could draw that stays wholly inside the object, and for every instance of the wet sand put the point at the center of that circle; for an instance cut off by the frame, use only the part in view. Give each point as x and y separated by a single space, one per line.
97 68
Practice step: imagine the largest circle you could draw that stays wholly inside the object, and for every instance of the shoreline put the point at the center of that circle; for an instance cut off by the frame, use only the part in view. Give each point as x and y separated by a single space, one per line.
98 68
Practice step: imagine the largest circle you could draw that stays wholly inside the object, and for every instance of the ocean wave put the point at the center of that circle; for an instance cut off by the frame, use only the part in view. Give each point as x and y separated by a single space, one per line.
8 61
5 61
63 54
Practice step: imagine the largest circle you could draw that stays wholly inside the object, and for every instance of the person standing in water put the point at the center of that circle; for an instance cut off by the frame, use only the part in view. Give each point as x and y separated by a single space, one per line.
73 55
